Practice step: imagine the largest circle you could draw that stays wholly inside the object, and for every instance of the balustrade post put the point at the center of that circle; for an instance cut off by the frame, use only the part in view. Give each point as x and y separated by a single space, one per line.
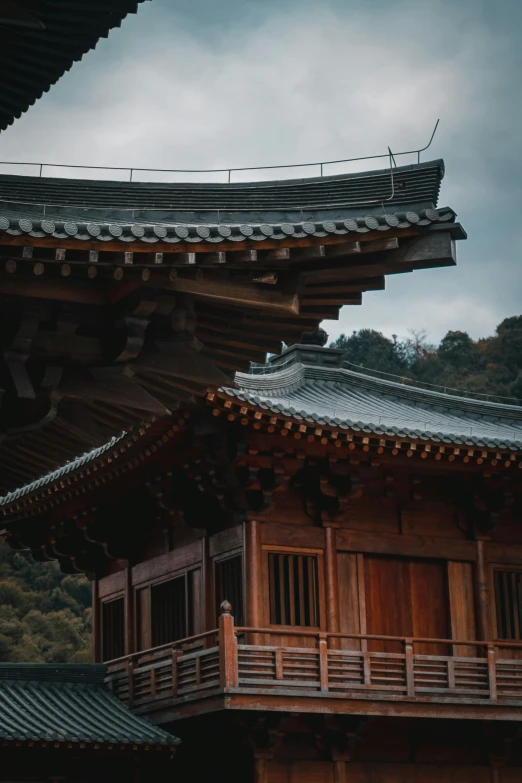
228 664
130 676
492 671
175 673
323 662
408 659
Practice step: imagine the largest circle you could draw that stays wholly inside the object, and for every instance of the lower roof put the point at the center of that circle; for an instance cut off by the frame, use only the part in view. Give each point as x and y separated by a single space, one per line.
307 388
69 703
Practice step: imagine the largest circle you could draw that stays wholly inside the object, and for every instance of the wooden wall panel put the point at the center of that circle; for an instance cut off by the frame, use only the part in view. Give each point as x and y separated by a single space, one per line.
323 772
388 600
169 563
348 598
370 514
430 607
226 540
115 583
430 519
287 535
300 772
406 597
406 545
462 605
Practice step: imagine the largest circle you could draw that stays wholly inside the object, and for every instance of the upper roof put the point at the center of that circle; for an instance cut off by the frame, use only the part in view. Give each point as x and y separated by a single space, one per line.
309 384
69 703
39 42
161 212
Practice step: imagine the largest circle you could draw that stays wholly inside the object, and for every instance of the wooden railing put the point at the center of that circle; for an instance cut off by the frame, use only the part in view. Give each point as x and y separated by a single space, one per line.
226 660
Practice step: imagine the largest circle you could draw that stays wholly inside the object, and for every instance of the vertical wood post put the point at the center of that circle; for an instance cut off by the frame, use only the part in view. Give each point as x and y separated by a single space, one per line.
129 611
260 771
339 770
408 658
209 619
361 590
332 584
96 625
482 594
253 577
323 662
175 674
227 648
130 675
492 671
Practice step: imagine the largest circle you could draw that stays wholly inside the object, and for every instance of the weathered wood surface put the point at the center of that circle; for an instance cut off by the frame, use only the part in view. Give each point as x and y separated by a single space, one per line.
409 675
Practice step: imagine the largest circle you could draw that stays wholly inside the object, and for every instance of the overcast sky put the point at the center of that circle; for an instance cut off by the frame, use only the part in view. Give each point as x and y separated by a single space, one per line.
242 83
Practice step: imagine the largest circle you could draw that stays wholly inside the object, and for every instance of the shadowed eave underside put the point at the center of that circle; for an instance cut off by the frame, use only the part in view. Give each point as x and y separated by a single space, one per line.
40 42
114 323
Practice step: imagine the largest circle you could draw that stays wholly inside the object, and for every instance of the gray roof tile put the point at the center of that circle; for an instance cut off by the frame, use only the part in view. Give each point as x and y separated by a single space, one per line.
69 703
362 403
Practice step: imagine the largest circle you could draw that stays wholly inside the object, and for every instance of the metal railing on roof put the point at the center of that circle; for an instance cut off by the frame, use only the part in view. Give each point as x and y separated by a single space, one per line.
321 164
269 369
406 380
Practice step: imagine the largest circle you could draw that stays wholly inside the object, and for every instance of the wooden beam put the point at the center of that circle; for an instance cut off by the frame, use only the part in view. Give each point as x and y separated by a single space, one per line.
226 291
56 290
115 388
182 364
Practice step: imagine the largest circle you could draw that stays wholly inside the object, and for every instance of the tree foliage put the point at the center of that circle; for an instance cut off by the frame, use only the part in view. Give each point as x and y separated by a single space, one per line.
491 365
45 617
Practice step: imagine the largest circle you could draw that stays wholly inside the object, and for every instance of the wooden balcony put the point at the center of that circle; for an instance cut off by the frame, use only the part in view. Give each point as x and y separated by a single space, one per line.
244 668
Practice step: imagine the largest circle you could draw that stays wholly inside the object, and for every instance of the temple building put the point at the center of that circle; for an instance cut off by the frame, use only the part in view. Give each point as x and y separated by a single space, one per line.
302 571
316 570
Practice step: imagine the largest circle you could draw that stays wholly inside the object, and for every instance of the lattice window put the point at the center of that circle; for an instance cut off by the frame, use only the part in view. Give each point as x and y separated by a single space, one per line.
228 585
168 611
508 601
294 593
113 629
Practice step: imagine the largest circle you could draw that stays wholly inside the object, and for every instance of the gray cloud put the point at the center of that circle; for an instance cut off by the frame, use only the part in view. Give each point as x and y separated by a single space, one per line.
257 83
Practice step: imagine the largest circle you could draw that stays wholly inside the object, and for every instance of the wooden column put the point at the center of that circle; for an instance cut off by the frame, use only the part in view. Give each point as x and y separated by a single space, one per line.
129 612
260 771
209 618
96 625
482 594
254 588
332 582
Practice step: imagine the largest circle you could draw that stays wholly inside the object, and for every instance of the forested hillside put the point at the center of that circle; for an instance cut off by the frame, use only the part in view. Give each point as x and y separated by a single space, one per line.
46 616
490 365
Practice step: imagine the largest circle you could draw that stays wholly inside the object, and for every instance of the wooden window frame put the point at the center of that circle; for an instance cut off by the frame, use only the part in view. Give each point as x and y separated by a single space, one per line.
147 586
492 567
109 599
268 549
222 557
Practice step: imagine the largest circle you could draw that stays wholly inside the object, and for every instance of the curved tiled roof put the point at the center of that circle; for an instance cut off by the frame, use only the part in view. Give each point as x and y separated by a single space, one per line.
158 212
55 475
348 400
69 703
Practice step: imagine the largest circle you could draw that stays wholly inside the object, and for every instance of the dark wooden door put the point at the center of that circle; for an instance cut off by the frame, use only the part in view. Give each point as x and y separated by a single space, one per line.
406 597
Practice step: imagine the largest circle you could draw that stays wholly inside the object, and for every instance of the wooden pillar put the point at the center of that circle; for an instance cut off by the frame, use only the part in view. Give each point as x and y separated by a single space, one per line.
339 770
332 582
482 594
96 625
129 612
254 589
260 771
209 614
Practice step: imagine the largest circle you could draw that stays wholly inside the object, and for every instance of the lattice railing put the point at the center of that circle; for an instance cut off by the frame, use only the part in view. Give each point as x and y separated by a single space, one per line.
249 659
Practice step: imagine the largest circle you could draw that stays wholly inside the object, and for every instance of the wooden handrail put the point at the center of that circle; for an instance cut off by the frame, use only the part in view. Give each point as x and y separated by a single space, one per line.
376 637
